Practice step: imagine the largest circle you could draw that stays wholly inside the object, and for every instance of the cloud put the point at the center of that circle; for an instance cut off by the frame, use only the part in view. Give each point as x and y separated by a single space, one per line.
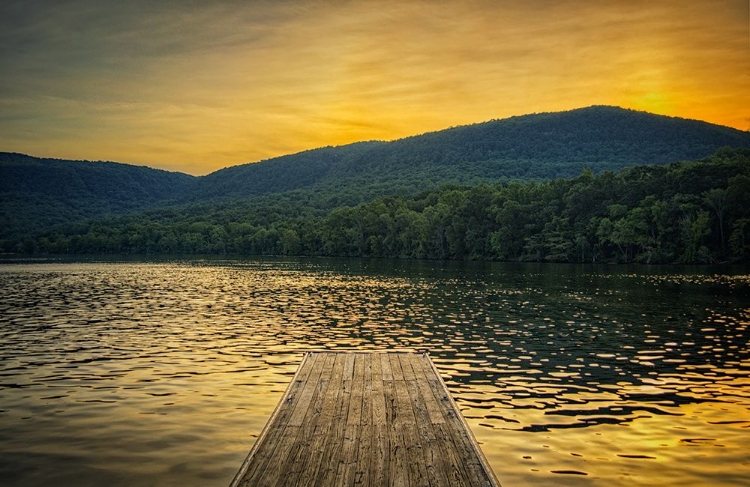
202 85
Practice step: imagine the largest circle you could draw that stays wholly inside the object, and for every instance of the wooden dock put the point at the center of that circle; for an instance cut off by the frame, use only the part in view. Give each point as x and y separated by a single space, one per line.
370 419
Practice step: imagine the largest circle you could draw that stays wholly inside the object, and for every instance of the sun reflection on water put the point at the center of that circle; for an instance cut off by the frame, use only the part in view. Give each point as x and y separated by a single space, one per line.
164 373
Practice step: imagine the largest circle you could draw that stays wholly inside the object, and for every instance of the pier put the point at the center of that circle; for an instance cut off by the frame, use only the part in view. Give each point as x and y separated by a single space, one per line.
369 419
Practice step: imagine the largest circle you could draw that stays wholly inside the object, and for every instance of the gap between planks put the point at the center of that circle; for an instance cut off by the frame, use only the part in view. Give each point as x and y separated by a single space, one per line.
366 419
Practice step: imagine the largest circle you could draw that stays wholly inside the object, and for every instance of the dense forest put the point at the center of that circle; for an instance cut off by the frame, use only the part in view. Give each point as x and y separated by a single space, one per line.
37 195
688 212
539 146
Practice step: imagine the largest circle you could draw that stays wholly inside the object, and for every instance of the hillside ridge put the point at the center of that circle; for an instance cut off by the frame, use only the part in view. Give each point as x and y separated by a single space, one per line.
41 193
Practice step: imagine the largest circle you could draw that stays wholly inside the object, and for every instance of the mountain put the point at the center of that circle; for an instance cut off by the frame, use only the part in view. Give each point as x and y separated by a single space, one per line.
683 212
37 194
540 146
42 193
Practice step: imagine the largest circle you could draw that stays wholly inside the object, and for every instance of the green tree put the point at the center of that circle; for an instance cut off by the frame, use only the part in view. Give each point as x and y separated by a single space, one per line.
289 241
716 199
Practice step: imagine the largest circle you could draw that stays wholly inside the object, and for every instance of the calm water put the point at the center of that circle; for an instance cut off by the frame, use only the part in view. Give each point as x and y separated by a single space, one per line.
164 373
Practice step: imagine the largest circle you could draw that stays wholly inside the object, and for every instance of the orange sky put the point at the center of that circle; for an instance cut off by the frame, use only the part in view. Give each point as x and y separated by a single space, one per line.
197 86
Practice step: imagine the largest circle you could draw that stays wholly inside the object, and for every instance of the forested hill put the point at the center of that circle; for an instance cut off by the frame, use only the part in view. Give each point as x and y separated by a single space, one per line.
690 212
41 193
541 147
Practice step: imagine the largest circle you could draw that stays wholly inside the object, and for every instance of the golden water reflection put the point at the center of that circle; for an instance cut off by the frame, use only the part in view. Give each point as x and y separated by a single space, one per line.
164 373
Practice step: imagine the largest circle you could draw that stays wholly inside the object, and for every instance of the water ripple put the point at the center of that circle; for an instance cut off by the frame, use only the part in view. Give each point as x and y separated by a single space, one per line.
123 373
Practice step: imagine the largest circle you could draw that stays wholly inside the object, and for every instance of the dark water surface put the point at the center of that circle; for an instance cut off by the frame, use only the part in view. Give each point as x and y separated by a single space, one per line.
164 373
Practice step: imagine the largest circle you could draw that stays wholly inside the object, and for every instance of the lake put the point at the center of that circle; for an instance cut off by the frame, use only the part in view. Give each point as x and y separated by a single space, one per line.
163 373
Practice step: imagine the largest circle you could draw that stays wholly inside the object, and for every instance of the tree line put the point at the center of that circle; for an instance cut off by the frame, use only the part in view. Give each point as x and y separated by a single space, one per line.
690 212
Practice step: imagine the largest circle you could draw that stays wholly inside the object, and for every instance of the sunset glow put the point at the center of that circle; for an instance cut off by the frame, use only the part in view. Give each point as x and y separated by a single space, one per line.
200 86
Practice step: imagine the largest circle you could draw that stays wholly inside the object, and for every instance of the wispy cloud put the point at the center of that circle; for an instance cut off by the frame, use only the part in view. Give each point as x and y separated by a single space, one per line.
196 86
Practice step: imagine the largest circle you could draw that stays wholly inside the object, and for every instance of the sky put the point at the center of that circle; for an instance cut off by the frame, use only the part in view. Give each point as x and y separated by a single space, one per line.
195 86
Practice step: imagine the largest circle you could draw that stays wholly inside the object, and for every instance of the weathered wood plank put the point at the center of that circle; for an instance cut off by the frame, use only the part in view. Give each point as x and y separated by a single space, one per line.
450 463
348 463
330 458
396 372
422 375
366 419
379 416
363 467
444 429
274 470
398 473
434 459
305 461
380 439
476 467
325 429
386 364
406 424
275 427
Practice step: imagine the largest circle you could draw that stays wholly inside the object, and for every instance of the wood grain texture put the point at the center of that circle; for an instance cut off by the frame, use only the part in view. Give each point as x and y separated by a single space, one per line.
366 419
